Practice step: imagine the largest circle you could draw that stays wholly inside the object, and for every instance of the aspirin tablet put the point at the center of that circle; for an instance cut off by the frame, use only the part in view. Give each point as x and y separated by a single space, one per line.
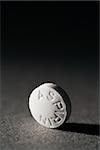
49 105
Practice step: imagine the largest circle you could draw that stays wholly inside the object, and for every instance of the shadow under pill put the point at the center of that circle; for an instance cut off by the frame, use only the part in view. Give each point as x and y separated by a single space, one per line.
89 129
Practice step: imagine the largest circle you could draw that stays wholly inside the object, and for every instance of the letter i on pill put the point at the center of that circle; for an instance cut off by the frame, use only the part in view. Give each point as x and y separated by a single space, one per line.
50 105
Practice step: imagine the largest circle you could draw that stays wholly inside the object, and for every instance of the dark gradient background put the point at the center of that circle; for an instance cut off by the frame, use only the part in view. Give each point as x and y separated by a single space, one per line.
49 41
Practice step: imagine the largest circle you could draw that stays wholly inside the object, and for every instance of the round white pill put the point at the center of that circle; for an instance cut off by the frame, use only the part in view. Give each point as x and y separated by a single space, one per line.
49 105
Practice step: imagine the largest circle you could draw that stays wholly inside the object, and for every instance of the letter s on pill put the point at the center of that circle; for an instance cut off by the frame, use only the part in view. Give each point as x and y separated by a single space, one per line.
50 105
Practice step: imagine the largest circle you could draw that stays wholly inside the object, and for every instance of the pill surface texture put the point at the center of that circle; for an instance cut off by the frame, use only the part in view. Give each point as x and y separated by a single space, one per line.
49 105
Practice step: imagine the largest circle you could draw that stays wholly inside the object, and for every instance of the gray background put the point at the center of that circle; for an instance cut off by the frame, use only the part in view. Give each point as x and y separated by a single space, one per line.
56 42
